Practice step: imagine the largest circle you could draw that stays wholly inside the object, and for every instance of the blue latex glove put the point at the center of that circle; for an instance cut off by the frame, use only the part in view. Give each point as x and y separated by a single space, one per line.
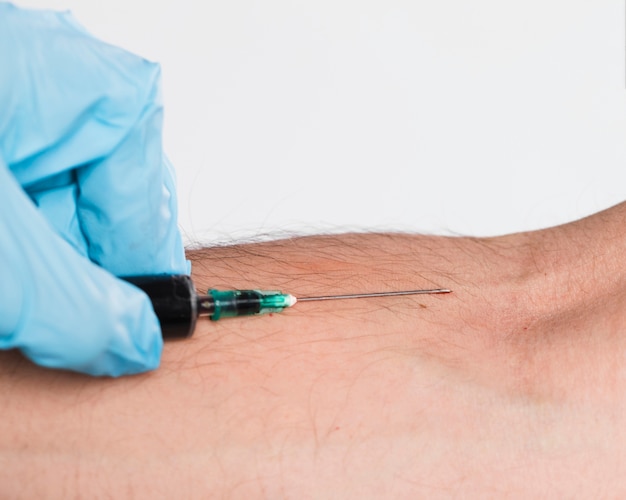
85 194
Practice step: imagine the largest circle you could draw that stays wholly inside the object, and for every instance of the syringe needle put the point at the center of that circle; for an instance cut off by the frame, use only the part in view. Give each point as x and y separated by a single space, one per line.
375 294
177 304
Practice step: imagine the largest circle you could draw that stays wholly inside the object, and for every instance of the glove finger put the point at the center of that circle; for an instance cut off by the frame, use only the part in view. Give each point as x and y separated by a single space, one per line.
77 104
61 310
70 98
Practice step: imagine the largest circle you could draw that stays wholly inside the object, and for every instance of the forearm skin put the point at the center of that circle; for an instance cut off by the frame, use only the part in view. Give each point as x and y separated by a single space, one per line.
512 385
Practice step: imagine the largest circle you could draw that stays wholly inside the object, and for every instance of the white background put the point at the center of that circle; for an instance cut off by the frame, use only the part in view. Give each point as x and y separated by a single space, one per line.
473 117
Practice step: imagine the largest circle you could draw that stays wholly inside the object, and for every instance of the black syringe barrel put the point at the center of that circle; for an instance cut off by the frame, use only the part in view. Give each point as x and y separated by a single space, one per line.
174 300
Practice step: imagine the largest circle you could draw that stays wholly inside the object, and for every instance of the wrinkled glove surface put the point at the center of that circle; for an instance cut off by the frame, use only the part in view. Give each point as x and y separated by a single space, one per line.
86 194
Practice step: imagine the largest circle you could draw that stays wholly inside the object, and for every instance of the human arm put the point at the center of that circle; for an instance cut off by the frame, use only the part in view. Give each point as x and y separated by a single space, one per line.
511 386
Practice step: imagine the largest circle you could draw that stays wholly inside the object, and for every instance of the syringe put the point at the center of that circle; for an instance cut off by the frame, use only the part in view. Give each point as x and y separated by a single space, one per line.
177 305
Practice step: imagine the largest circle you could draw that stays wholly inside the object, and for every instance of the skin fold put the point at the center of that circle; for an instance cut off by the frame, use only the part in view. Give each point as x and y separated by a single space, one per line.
512 386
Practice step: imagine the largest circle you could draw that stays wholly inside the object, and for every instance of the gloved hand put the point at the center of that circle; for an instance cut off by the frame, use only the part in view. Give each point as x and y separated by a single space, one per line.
86 193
